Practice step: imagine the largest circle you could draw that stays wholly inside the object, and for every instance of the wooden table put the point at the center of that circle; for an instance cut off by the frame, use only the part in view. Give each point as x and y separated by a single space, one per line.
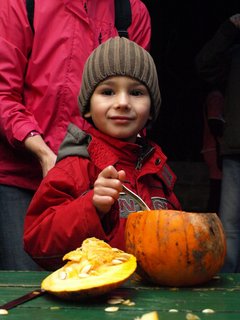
221 295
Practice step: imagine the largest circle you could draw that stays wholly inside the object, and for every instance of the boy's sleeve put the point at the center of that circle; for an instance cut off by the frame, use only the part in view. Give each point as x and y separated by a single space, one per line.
59 218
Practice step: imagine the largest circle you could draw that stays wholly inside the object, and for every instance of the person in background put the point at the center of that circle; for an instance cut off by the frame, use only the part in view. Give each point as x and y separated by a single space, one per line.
82 195
40 75
213 127
218 63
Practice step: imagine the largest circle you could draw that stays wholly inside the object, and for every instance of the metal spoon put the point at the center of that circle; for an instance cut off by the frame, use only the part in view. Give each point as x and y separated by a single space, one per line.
136 197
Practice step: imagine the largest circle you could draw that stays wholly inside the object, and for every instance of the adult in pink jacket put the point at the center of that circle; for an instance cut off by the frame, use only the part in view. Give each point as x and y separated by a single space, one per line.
81 196
40 76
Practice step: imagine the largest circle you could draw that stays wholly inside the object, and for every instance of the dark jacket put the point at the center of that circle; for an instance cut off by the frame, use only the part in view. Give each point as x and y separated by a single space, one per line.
61 214
218 63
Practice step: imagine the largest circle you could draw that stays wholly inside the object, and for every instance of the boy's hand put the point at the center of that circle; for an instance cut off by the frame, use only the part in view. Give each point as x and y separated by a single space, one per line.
107 188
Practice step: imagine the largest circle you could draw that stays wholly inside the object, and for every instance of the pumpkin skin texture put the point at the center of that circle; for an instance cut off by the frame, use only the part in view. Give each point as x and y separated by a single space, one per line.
92 270
176 248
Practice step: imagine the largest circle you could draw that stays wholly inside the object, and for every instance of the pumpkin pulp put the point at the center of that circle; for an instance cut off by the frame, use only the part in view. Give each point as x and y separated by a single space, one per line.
93 269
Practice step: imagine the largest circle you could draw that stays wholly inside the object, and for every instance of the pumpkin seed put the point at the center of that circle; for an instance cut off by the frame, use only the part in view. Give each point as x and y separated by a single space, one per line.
3 311
116 261
86 268
191 316
111 309
208 311
115 300
122 258
62 275
129 303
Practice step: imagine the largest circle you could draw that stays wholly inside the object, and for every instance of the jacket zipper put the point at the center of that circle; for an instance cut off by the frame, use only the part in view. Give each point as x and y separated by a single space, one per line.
142 157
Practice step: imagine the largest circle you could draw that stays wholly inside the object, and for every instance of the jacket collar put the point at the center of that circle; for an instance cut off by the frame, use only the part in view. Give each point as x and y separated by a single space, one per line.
94 144
104 151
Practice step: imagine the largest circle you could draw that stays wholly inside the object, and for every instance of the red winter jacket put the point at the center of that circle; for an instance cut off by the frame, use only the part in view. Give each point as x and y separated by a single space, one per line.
40 92
61 214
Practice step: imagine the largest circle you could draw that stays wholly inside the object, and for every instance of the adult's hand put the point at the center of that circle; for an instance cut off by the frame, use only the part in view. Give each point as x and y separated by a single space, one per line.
42 152
235 19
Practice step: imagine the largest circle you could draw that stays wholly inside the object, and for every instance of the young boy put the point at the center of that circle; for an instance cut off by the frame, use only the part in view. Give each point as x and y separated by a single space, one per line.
82 195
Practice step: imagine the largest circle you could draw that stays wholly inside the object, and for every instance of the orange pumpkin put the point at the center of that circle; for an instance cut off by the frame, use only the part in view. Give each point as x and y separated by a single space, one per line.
176 248
93 269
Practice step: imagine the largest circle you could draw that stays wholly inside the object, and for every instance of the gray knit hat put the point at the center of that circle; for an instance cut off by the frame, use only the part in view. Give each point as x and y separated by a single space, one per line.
119 56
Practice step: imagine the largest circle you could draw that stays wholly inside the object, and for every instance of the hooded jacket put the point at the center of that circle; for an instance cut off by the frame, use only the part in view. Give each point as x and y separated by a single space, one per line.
62 215
40 75
218 63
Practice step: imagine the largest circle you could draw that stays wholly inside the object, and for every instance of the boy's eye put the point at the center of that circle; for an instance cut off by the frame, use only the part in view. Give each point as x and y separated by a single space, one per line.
107 92
136 92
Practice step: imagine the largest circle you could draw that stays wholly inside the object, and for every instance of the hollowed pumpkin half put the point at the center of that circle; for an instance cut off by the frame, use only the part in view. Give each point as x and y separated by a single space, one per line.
94 269
176 248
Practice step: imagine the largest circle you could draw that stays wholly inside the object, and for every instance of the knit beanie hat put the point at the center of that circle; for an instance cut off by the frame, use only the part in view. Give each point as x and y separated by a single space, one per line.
119 56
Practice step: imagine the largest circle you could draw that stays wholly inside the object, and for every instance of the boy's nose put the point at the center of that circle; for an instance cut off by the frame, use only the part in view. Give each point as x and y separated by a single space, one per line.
122 100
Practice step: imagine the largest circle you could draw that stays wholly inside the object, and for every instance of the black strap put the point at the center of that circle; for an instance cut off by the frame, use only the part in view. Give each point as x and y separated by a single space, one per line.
30 12
123 17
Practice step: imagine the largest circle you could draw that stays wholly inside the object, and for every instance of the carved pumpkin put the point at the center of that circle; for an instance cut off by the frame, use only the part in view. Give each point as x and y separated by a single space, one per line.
176 248
94 269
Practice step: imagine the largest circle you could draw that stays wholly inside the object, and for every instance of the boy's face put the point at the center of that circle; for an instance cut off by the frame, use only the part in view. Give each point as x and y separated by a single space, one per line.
120 107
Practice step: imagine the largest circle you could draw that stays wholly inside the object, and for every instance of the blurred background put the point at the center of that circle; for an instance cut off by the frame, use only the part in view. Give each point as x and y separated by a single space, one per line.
179 30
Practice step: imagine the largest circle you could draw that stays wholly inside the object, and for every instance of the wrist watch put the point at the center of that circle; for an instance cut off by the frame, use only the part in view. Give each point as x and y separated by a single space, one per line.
32 134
